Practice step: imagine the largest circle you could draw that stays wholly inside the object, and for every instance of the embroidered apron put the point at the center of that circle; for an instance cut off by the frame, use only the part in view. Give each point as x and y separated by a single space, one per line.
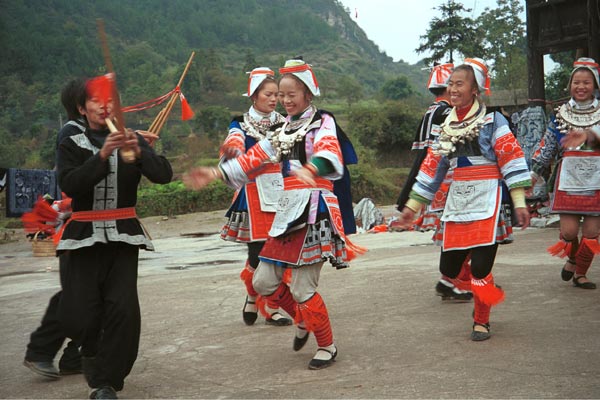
472 208
577 189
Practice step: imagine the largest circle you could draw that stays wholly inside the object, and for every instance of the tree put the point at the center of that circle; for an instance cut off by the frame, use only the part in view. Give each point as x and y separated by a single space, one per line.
451 34
558 80
250 61
397 88
505 44
350 89
368 123
214 120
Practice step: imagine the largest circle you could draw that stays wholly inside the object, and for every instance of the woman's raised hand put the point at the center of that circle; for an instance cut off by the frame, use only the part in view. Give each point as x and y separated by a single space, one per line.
406 218
198 178
574 139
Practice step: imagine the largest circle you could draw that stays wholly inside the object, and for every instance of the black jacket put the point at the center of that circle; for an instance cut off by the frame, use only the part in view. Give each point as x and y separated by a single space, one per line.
94 184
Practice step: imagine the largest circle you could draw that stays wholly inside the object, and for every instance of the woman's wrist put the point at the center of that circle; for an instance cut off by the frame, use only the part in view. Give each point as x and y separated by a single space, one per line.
216 172
518 197
312 168
413 205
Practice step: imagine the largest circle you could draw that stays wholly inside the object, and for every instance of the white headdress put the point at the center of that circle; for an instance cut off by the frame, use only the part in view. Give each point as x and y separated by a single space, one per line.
302 71
257 76
482 75
438 78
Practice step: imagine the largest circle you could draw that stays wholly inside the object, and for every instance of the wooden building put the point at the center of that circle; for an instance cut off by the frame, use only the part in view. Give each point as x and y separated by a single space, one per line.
555 26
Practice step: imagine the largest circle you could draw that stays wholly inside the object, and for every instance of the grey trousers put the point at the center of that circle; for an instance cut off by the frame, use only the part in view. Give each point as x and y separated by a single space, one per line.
305 280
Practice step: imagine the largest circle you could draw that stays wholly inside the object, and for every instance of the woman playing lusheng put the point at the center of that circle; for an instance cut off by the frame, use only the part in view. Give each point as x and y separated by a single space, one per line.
100 244
486 162
253 208
576 193
307 229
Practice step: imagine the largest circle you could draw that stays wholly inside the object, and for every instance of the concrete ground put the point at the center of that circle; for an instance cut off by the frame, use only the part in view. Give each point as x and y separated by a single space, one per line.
396 339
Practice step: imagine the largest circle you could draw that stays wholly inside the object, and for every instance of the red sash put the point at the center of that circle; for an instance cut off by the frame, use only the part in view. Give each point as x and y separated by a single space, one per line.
104 215
291 182
97 215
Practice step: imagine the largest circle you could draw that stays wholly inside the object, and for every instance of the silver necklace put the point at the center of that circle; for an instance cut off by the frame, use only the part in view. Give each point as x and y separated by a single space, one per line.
292 132
258 129
453 132
569 118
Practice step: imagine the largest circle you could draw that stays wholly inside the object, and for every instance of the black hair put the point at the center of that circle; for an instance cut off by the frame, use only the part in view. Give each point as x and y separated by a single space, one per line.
71 96
437 91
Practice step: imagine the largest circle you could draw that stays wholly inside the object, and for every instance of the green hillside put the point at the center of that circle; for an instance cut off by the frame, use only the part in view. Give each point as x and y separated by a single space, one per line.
47 42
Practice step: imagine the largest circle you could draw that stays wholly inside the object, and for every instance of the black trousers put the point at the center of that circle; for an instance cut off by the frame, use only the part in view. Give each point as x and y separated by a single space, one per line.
482 261
99 307
48 338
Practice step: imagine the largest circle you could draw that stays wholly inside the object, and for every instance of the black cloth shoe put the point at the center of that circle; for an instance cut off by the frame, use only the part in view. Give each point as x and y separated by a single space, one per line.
300 342
70 371
477 336
565 274
320 364
451 293
279 321
583 285
70 362
43 368
249 316
104 392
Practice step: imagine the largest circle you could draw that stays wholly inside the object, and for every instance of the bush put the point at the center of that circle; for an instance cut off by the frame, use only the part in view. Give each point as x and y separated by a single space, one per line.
174 199
381 185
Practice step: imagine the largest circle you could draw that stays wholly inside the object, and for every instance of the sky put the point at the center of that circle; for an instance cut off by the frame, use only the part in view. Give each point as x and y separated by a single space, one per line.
396 25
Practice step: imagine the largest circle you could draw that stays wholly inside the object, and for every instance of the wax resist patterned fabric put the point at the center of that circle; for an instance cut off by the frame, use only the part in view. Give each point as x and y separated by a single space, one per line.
532 125
24 186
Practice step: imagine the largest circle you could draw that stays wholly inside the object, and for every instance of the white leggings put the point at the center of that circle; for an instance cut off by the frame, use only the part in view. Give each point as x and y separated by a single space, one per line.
305 280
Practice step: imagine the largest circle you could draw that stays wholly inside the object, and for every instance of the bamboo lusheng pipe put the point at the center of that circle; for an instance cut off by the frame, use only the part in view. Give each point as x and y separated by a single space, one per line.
162 116
127 154
165 114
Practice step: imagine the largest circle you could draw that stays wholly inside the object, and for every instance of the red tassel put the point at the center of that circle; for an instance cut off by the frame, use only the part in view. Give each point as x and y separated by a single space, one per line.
246 277
186 110
353 250
101 88
261 304
287 276
592 244
378 229
463 280
561 249
486 291
64 205
41 218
